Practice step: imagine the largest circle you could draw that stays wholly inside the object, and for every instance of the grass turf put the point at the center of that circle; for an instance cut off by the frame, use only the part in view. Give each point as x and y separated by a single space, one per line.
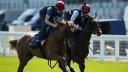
10 64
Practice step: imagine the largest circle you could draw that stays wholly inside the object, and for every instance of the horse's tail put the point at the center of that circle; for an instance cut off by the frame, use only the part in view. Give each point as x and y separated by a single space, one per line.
13 43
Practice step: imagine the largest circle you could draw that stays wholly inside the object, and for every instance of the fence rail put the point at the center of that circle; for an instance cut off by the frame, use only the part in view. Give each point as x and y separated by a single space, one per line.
103 47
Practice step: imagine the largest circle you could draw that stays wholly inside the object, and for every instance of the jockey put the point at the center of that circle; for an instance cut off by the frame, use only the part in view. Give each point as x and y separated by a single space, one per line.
75 17
78 14
48 20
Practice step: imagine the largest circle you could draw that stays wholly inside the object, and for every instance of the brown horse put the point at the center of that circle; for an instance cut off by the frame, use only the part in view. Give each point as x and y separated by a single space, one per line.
80 50
53 47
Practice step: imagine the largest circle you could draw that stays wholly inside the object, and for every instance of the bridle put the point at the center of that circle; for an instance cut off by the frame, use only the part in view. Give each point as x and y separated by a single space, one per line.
86 28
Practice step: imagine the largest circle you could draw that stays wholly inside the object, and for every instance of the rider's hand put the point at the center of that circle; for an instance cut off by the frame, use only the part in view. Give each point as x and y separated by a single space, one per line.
70 23
54 25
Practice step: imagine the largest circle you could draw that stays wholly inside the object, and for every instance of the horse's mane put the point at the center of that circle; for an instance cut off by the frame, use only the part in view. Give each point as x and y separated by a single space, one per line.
61 22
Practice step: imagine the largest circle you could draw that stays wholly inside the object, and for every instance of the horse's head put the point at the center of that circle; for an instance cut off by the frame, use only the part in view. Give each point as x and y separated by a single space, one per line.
61 22
92 25
97 28
61 25
65 27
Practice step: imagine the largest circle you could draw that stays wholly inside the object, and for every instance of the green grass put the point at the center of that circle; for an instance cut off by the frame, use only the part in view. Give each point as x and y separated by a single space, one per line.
10 64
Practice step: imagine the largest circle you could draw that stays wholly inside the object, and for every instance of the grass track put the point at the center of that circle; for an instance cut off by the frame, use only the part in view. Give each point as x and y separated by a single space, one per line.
10 64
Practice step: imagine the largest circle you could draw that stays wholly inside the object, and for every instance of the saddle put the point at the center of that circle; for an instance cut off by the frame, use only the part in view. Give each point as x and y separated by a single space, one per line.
33 43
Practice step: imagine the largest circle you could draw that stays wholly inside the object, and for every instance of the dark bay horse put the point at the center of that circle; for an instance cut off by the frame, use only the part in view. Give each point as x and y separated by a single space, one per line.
79 50
54 48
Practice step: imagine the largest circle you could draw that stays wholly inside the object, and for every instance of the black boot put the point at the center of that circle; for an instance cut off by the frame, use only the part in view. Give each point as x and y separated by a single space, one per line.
42 35
36 42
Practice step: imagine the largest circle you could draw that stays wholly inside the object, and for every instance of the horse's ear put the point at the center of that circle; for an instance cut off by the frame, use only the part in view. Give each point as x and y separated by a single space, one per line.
96 17
61 21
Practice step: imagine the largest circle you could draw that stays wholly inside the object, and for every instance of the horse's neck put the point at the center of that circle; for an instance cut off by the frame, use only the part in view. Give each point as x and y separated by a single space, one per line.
89 35
92 26
59 33
88 27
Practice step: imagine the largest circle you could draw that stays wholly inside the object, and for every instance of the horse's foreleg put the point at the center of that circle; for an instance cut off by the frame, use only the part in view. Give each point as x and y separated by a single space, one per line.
80 62
23 61
62 62
61 66
82 66
71 69
69 62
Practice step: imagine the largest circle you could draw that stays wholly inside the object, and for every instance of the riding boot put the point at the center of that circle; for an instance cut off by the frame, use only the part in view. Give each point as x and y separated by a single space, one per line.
39 37
42 33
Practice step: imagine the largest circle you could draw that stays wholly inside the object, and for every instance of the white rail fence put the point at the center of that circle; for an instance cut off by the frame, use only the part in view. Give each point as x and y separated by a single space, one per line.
103 47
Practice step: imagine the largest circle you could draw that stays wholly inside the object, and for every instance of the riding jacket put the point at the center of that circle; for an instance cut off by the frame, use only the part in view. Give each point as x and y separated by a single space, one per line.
52 12
77 17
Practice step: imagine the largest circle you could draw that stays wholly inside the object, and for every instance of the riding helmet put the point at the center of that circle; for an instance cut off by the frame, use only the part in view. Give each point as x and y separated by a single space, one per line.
85 8
60 5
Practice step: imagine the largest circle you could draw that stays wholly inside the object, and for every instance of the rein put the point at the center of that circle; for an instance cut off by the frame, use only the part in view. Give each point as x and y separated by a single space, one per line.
91 49
50 64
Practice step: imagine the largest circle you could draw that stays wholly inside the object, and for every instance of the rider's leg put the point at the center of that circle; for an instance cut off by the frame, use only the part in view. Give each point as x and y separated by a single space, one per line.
39 37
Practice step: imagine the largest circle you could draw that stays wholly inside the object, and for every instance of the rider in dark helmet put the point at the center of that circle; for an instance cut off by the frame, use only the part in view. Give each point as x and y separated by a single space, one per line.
76 17
78 14
48 17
